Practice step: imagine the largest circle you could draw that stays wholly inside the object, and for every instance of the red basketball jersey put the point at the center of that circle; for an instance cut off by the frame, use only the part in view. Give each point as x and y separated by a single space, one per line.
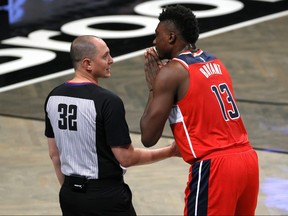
207 122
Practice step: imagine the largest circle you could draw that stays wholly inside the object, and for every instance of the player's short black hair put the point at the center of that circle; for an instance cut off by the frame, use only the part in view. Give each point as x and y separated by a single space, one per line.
184 20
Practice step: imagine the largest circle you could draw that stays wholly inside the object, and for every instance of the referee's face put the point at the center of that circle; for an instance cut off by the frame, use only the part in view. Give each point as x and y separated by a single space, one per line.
102 61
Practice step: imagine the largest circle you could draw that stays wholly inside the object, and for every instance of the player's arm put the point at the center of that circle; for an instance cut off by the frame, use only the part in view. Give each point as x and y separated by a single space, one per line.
129 156
55 157
159 104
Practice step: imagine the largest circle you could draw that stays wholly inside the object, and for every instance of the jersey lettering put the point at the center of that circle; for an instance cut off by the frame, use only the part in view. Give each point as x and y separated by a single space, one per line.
67 117
223 90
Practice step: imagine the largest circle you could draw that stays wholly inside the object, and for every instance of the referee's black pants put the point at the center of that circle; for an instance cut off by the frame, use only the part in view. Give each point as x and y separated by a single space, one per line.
100 198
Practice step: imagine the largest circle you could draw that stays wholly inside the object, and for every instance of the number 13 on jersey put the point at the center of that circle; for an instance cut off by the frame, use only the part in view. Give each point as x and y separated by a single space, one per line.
226 101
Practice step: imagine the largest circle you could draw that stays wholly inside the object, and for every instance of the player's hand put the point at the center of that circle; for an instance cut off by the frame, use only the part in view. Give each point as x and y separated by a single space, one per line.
152 66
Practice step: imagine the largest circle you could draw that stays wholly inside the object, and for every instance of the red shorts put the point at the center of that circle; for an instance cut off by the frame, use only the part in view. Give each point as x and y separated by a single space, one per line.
224 185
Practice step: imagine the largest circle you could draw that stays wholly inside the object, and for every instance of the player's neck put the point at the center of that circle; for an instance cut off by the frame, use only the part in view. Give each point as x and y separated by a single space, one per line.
185 47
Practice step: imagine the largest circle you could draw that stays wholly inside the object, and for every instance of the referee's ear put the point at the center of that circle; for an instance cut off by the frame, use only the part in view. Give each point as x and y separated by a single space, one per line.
86 64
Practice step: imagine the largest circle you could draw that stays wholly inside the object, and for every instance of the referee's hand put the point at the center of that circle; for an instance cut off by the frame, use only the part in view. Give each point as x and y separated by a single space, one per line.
175 150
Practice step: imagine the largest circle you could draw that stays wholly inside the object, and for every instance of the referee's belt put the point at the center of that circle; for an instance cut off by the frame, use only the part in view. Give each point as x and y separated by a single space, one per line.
80 183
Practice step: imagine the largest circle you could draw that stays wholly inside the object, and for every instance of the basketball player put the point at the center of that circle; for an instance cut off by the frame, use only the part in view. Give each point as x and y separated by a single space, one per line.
194 91
88 137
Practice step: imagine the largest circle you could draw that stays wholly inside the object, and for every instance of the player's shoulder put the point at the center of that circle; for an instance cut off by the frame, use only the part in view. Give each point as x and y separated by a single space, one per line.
172 69
171 76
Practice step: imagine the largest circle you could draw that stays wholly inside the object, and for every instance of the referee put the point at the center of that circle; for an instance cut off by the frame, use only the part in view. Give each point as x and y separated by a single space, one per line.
88 137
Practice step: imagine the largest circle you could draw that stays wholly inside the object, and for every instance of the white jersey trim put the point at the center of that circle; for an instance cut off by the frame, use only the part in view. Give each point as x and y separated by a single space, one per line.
177 117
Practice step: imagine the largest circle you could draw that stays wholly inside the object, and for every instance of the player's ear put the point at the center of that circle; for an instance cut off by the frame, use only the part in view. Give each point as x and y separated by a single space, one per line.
172 37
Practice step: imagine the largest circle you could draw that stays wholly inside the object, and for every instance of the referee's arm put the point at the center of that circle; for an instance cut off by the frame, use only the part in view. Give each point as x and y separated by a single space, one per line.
129 156
54 155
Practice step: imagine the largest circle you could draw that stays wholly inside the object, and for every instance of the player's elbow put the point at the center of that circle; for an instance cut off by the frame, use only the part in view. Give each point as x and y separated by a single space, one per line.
150 134
147 142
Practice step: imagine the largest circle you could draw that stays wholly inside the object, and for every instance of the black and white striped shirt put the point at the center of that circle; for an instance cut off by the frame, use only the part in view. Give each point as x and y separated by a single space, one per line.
86 121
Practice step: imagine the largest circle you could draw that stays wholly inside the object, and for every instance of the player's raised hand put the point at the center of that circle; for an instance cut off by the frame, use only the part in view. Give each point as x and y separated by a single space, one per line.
152 66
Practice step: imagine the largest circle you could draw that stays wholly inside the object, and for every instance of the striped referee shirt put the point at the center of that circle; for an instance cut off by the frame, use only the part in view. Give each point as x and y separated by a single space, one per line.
86 121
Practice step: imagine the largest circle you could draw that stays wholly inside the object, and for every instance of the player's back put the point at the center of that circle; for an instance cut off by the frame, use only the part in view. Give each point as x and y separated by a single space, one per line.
207 121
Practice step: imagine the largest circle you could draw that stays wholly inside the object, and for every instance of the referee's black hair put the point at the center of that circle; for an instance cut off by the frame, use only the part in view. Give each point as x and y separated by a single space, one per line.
184 20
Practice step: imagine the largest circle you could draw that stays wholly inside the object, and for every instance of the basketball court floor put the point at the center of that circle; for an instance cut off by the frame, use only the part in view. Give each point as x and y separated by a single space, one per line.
256 56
